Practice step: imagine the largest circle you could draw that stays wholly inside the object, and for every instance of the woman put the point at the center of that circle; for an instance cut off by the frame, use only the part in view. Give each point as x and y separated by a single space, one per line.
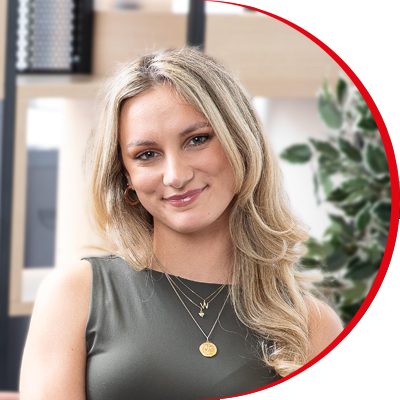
203 297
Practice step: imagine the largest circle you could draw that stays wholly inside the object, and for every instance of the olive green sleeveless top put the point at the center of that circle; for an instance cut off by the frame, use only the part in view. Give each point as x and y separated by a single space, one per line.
142 343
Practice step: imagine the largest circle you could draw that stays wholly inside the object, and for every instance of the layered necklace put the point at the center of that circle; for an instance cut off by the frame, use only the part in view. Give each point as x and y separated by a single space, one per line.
207 349
205 302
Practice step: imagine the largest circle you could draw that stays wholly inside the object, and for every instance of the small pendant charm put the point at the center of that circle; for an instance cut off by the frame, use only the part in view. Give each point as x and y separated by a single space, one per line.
201 313
208 349
204 305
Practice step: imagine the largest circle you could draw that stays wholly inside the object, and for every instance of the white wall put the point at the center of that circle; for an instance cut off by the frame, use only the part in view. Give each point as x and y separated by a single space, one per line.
290 121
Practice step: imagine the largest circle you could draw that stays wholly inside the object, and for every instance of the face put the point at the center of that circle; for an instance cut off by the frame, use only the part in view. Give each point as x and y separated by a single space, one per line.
175 162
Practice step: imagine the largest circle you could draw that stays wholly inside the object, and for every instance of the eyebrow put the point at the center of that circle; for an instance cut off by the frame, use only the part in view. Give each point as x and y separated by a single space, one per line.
189 129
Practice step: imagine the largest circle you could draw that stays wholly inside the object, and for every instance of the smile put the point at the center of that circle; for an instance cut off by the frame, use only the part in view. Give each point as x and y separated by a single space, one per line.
181 200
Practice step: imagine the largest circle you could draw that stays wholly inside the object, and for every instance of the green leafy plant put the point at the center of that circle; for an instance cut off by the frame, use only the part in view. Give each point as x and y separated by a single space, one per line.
350 171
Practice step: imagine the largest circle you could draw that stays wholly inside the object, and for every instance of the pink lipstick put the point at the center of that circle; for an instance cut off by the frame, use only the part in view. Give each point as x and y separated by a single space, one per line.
188 197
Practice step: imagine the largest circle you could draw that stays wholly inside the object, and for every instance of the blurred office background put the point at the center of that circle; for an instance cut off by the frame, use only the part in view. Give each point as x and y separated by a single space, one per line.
61 52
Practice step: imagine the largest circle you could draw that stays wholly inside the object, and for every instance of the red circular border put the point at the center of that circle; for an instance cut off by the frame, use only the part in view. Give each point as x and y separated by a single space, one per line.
394 180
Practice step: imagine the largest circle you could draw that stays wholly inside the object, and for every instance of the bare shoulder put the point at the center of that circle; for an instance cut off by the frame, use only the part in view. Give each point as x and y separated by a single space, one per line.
72 280
65 290
325 326
55 352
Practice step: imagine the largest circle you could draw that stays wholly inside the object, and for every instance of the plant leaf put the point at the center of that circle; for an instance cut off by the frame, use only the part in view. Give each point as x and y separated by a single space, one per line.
325 90
330 282
330 166
337 194
351 248
348 312
329 113
325 148
382 180
354 293
363 270
352 209
308 262
356 196
352 262
382 211
339 220
351 152
336 261
362 218
367 123
354 183
375 254
376 160
316 188
362 108
382 239
317 249
324 178
341 90
297 154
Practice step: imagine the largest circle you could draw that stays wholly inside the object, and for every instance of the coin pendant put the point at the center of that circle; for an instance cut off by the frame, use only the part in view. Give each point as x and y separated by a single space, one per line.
208 349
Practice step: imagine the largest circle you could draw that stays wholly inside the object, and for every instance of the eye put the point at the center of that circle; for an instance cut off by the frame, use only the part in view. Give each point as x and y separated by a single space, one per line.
197 140
147 155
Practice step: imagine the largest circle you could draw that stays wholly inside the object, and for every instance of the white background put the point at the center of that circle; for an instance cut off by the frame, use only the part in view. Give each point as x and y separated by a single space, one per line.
365 34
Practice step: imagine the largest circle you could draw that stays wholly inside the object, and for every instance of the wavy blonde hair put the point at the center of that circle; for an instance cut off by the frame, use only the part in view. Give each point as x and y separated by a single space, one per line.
269 292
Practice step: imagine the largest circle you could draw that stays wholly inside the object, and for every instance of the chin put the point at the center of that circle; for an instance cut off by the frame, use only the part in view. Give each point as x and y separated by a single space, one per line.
190 225
188 228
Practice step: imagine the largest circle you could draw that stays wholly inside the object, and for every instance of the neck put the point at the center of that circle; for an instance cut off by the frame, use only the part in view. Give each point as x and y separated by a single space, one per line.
198 256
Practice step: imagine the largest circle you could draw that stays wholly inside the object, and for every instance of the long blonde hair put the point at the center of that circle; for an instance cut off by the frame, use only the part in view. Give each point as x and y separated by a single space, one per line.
269 292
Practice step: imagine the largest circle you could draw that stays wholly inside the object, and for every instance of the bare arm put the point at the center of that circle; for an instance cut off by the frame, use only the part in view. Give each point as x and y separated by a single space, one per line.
54 361
325 326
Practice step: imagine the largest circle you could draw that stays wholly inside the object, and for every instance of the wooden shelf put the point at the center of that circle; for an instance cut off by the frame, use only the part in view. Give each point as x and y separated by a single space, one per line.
270 58
75 86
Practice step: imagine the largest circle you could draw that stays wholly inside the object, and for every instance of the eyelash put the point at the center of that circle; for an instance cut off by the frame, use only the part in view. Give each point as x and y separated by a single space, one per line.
204 139
139 157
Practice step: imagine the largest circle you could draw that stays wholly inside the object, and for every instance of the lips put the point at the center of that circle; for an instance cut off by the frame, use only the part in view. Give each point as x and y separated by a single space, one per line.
180 200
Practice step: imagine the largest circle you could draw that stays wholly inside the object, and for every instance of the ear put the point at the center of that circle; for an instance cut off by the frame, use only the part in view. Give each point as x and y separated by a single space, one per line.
127 176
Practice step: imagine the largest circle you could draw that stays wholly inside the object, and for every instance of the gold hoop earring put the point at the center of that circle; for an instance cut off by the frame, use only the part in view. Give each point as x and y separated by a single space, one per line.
126 196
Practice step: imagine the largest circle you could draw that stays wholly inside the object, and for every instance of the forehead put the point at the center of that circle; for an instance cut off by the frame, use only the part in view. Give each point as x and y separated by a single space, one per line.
152 100
157 110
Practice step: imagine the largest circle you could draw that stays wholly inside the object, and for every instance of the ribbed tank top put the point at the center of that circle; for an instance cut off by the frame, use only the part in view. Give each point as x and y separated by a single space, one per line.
143 344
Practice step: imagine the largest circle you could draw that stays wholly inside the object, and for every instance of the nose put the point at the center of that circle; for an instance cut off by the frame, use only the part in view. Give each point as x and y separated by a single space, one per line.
177 172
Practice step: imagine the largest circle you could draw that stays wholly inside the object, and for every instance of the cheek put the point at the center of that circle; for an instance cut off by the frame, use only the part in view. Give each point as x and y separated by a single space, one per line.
144 183
222 170
229 179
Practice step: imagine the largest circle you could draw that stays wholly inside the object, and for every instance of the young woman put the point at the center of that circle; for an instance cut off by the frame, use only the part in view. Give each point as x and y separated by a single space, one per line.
203 296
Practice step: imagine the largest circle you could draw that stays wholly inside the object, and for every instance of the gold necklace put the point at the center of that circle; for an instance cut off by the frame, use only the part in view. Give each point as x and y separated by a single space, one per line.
207 349
204 305
205 302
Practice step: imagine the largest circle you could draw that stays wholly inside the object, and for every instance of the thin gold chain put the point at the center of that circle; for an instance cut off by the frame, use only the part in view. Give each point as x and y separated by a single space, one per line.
183 303
220 288
205 302
171 282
